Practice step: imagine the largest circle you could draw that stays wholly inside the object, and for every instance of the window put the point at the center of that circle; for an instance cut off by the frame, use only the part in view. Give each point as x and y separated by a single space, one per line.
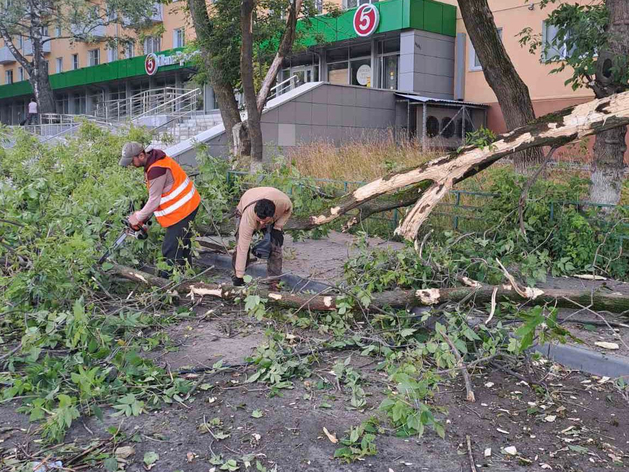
59 62
8 77
58 31
179 38
20 42
554 48
112 53
152 45
93 57
355 3
129 50
474 61
319 5
44 31
20 74
75 61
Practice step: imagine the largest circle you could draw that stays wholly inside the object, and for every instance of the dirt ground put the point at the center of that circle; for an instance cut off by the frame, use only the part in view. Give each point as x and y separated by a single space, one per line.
579 424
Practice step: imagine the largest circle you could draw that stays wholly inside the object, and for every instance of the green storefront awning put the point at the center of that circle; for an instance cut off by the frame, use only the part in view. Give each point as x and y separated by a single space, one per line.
116 70
395 15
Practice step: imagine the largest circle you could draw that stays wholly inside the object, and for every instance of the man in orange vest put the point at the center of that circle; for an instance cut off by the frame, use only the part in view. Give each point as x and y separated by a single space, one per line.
173 200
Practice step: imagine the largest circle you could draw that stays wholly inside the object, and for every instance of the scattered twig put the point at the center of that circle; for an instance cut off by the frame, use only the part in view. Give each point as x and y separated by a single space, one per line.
493 306
469 452
466 375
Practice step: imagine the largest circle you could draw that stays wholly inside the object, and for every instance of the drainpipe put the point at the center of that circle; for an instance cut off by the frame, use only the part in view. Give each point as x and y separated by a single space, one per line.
424 125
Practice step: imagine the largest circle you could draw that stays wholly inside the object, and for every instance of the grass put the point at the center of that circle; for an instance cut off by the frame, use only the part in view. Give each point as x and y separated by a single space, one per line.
362 160
369 159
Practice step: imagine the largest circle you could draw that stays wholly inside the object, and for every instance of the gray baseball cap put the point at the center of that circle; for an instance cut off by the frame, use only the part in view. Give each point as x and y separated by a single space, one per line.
129 151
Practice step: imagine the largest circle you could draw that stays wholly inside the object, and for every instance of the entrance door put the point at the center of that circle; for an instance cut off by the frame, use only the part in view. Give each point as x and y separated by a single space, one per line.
389 68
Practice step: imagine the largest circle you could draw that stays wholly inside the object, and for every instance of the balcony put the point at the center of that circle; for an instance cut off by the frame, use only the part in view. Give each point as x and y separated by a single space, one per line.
5 56
27 50
84 32
158 13
157 16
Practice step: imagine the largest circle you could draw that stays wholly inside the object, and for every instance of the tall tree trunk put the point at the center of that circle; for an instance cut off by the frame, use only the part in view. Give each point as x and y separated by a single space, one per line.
247 78
282 51
40 81
224 91
610 146
512 93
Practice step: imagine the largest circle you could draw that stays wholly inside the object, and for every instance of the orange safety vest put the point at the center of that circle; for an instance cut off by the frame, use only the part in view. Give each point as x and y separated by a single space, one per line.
181 200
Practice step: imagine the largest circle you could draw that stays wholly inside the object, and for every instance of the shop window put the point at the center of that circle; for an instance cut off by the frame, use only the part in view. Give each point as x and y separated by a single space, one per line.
432 127
337 73
389 65
447 127
361 72
389 46
336 55
360 50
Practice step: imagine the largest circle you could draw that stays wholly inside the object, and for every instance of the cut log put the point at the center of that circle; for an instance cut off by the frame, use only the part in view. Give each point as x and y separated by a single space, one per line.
598 301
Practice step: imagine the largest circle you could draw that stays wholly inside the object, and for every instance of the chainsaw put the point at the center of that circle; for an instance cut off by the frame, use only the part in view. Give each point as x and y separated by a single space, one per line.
138 232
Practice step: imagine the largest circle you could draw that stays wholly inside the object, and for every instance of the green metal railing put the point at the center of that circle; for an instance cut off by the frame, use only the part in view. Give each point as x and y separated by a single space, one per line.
460 210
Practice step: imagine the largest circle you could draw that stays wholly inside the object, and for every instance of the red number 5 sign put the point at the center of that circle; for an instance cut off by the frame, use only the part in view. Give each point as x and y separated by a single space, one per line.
366 20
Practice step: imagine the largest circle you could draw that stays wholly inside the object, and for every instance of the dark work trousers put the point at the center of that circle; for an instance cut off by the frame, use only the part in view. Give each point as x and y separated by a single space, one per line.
177 245
274 264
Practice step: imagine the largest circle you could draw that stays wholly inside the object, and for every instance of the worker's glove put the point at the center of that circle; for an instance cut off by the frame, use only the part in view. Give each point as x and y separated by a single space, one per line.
277 237
238 281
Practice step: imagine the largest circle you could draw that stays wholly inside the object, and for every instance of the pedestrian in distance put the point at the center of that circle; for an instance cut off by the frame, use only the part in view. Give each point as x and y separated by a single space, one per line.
173 200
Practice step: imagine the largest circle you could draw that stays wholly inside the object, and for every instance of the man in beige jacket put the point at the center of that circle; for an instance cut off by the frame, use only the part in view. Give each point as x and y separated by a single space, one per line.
258 208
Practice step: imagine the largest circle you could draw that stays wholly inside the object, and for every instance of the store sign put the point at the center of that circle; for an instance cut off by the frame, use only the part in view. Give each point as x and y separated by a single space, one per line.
366 20
152 62
363 75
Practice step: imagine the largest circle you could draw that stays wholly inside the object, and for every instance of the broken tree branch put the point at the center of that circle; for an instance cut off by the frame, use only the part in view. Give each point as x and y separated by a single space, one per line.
612 302
439 175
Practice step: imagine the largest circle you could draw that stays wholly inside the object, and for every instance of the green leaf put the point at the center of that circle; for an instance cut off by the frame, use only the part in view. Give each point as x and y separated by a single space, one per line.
256 414
110 464
151 458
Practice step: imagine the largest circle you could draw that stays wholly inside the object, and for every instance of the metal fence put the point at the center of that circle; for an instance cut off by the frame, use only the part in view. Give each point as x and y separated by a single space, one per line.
460 210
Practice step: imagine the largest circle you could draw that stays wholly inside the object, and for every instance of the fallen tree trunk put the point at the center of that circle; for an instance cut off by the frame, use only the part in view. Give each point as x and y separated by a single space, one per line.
597 301
438 176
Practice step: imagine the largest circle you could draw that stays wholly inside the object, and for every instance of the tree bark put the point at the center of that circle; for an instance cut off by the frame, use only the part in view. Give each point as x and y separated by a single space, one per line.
247 77
36 69
284 48
224 91
610 146
511 91
598 301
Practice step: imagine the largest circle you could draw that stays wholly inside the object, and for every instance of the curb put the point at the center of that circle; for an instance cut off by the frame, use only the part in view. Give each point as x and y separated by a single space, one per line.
573 357
585 360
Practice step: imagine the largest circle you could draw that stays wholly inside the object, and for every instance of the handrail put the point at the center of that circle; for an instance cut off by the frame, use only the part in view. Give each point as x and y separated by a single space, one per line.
193 93
273 90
